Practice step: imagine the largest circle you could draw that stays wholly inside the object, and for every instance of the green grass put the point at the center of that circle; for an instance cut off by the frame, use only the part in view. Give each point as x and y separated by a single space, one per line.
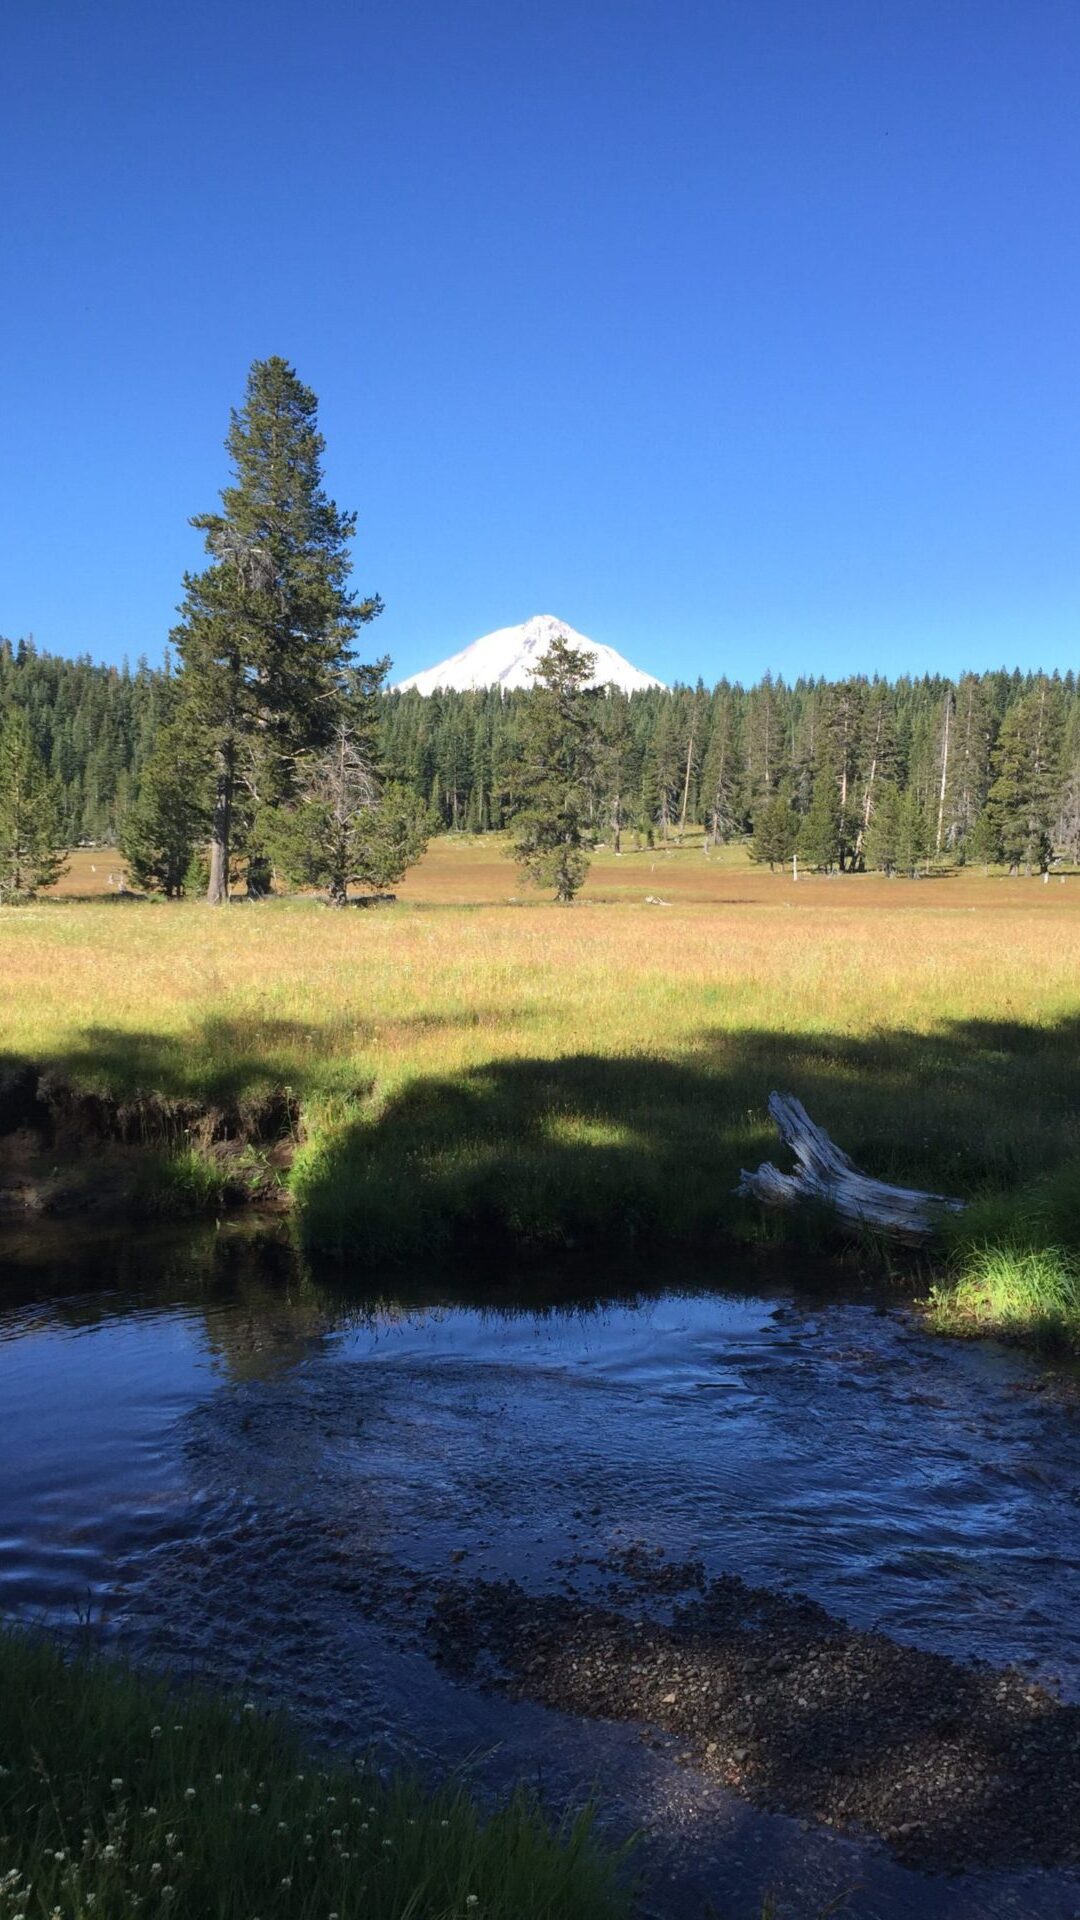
477 1070
121 1796
1010 1289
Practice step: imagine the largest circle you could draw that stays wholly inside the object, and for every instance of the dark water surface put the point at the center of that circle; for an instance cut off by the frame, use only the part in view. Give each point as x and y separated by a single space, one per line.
229 1461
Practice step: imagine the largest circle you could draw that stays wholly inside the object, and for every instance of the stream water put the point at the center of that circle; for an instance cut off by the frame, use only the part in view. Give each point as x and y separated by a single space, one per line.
223 1459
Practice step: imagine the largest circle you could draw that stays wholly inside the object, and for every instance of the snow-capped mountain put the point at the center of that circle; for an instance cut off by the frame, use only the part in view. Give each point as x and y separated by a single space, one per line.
505 659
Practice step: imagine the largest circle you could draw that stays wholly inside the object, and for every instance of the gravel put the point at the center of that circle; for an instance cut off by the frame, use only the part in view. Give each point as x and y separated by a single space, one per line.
953 1765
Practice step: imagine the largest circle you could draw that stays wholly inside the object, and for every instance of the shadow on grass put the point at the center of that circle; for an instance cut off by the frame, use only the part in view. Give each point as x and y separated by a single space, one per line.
624 1151
586 1150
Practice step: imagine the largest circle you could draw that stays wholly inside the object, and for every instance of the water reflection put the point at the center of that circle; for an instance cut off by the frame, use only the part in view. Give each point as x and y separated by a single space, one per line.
252 1467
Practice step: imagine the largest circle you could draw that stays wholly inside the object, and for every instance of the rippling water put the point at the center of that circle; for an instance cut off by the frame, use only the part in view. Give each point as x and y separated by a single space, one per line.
218 1455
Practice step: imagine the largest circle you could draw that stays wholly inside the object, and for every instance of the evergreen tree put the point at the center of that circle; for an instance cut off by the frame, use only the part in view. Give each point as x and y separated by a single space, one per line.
776 831
722 774
30 852
1026 785
912 837
982 844
615 763
881 845
763 741
346 825
266 628
664 770
878 760
561 748
819 836
170 818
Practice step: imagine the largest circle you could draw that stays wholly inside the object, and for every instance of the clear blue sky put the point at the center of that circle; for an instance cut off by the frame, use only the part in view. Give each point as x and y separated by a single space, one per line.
739 333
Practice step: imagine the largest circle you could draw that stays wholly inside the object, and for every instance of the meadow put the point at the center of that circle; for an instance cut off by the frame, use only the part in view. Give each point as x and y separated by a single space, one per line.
474 1067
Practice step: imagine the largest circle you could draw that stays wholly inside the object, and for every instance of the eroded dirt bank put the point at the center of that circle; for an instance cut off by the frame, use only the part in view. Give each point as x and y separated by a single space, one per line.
70 1149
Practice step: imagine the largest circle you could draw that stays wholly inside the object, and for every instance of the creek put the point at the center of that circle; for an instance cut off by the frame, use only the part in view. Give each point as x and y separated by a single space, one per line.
242 1468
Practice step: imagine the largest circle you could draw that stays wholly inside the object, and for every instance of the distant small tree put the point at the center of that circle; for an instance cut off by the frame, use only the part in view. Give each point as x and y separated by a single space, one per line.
561 748
31 855
819 836
983 844
170 818
881 841
346 826
912 834
776 831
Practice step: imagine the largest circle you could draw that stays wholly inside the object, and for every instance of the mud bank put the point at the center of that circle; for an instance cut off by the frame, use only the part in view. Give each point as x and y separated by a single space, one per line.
71 1149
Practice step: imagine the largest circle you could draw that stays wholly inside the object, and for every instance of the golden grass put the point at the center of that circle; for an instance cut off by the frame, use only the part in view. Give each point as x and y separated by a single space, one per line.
909 1012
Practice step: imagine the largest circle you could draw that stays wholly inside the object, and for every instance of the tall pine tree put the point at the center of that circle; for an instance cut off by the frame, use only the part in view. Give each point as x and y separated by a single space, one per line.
266 629
561 753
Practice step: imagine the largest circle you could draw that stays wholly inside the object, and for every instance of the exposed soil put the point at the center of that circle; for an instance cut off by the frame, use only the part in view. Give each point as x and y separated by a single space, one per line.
68 1149
954 1766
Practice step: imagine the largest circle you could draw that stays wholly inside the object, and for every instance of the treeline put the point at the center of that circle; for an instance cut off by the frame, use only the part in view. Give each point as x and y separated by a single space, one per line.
94 728
856 772
987 766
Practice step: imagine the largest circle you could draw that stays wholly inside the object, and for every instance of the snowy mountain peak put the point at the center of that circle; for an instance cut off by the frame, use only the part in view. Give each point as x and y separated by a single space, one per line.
506 659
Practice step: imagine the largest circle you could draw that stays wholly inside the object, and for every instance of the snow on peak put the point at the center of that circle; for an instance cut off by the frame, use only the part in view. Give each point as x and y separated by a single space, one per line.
506 659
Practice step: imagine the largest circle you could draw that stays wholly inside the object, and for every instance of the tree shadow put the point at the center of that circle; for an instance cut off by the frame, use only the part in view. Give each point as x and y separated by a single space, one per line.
597 1152
631 1150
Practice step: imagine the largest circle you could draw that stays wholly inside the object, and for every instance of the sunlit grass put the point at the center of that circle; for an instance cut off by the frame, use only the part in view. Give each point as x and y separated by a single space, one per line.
468 1065
1011 1289
119 1795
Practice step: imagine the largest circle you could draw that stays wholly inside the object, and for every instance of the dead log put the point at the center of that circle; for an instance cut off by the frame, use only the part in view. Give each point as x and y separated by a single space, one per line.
826 1177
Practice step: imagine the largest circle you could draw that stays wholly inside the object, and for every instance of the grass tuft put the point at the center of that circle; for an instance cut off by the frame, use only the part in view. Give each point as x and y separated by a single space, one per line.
119 1795
1013 1289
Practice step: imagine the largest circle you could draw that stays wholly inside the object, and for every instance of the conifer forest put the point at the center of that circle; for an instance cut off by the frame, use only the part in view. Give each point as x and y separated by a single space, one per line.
858 773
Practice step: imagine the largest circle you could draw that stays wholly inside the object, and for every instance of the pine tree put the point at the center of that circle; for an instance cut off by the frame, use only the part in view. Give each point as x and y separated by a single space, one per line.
982 844
30 852
912 837
664 769
877 756
1027 779
881 843
615 763
819 836
346 825
266 628
561 748
776 831
722 774
171 815
763 742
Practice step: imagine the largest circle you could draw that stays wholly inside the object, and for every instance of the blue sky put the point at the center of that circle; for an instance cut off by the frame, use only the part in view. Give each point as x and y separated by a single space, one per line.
738 334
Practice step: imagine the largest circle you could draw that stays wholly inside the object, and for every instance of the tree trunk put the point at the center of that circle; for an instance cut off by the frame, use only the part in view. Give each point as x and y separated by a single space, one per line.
686 787
944 774
826 1177
217 893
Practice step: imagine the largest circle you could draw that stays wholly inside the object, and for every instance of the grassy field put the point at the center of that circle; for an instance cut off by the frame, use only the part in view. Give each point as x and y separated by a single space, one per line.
477 1065
120 1795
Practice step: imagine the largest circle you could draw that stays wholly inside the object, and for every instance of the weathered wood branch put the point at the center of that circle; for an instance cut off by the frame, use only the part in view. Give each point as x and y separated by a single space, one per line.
826 1177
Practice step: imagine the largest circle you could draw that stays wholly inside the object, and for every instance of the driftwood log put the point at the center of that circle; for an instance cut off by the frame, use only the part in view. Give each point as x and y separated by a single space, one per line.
826 1177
